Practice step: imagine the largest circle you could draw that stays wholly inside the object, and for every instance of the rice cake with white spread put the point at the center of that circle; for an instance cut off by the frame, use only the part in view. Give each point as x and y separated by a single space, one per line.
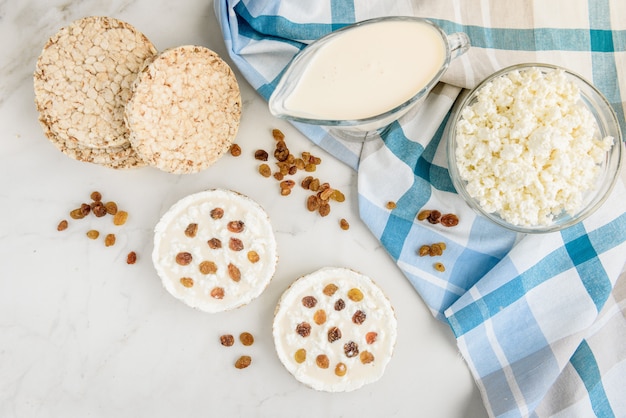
335 330
83 81
215 250
185 109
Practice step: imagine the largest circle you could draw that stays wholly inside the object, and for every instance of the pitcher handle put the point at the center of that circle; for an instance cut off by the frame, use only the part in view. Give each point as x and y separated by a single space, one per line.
459 43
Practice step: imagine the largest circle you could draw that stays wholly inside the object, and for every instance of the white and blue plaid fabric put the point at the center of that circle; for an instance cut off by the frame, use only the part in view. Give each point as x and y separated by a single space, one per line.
538 318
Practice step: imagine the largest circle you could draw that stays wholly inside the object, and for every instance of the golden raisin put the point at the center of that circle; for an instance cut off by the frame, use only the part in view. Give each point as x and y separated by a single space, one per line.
366 357
300 355
235 150
442 245
343 224
186 281
355 295
314 185
265 170
435 250
243 362
109 240
207 267
439 267
391 205
217 293
319 316
246 338
77 214
424 250
309 168
330 289
322 361
131 258
341 369
312 203
93 234
279 176
337 196
278 134
423 215
371 337
183 258
191 230
62 226
285 191
233 272
253 256
227 340
324 209
120 217
111 208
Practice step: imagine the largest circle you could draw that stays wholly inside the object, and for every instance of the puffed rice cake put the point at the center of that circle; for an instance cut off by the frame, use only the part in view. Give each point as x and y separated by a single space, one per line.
82 82
215 250
185 109
334 330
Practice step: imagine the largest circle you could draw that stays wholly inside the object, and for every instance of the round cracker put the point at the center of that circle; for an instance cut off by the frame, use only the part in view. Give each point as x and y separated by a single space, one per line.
342 316
185 109
237 275
83 79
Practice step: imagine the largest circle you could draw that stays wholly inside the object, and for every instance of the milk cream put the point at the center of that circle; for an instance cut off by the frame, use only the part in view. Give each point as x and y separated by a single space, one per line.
368 70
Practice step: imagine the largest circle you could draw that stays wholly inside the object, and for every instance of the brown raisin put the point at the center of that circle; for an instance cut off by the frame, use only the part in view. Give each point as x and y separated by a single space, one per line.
359 317
324 209
235 244
315 185
300 355
111 208
366 357
217 293
93 234
96 196
279 176
253 257
281 153
449 220
293 170
334 334
217 213
191 230
62 226
371 337
330 289
246 338
303 329
85 209
233 272
99 209
355 295
309 301
265 170
343 224
214 243
340 304
207 267
322 361
341 369
278 134
261 155
109 240
306 182
351 349
312 203
235 226
120 217
319 317
235 150
183 258
131 258
287 184
227 340
434 217
186 281
243 362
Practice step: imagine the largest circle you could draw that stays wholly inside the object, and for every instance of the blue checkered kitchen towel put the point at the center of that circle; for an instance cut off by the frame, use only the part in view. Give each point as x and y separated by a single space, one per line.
539 319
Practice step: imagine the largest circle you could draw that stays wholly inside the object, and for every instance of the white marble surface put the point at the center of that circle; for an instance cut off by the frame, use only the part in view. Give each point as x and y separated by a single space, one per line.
83 334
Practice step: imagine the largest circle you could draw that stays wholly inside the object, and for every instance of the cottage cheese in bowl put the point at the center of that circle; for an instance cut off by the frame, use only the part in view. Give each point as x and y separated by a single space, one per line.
534 148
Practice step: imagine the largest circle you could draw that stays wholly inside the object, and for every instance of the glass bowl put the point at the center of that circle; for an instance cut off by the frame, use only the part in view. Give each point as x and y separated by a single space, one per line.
486 181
